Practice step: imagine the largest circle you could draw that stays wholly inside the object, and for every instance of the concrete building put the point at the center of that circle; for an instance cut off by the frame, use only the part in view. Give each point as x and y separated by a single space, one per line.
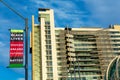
71 53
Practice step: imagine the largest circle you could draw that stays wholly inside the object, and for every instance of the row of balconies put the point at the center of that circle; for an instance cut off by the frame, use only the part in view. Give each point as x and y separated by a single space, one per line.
85 65
79 70
87 60
85 46
86 74
85 70
62 54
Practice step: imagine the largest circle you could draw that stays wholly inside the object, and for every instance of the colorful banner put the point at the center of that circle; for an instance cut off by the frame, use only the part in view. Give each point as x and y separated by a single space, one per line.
16 48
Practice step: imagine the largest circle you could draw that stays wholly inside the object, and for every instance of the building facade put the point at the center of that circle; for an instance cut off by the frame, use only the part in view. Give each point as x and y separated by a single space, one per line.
71 53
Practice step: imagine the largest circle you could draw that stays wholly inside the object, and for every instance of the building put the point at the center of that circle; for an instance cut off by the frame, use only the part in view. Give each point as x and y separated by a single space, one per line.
71 53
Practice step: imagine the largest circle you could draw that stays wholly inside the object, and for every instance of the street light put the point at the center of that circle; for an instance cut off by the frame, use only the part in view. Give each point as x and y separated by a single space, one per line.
26 37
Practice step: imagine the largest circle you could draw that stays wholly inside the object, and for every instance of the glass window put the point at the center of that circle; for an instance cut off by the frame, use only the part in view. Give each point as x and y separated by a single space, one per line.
47 27
58 53
48 36
59 58
58 49
47 31
59 63
58 44
94 77
58 40
48 52
49 63
83 78
57 35
49 75
50 69
47 22
48 41
49 57
48 46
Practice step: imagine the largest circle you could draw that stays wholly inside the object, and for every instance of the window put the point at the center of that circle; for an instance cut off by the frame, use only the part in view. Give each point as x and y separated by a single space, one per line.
58 44
58 53
48 52
49 57
47 27
48 46
49 75
47 22
57 35
94 77
49 63
83 78
49 69
58 40
114 32
47 31
116 48
48 36
48 41
59 58
59 63
58 49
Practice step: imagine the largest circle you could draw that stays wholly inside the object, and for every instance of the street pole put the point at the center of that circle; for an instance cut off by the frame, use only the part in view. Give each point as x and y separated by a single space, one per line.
26 48
26 37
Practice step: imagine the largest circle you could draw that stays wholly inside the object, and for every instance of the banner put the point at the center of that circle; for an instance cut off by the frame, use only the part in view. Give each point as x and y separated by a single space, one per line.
16 48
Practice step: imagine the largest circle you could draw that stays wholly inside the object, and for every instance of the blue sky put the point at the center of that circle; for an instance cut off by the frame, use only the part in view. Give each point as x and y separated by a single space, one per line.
75 13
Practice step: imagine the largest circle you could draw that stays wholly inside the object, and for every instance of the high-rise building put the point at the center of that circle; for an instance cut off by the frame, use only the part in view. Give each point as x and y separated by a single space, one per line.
71 53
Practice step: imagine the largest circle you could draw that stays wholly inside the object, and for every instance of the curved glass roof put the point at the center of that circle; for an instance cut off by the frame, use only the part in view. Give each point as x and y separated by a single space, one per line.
113 69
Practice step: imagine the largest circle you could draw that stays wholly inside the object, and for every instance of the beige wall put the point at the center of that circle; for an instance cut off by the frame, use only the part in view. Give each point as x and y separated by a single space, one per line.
117 27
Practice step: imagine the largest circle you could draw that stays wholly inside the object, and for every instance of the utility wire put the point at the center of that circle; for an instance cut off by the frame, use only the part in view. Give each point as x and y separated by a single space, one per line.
12 9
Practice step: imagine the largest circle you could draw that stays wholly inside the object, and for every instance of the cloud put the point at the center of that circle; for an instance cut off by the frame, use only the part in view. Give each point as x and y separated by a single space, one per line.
83 12
20 79
2 44
103 12
66 12
40 3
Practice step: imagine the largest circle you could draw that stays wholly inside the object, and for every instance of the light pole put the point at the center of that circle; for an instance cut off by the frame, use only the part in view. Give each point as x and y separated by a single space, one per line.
26 37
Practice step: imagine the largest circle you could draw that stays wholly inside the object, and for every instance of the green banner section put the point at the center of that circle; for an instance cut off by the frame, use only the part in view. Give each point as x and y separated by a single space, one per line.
16 66
16 31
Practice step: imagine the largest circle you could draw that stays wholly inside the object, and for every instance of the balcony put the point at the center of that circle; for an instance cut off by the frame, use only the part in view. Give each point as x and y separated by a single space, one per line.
69 35
71 54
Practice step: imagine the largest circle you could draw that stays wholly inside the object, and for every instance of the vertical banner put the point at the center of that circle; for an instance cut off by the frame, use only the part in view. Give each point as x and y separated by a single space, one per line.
16 48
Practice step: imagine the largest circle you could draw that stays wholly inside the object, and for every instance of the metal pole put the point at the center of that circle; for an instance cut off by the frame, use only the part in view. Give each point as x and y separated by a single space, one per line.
26 49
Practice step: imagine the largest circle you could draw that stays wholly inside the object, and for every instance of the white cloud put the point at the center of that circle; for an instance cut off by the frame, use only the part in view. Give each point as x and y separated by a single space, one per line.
96 12
12 21
40 3
64 10
105 12
2 44
20 79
